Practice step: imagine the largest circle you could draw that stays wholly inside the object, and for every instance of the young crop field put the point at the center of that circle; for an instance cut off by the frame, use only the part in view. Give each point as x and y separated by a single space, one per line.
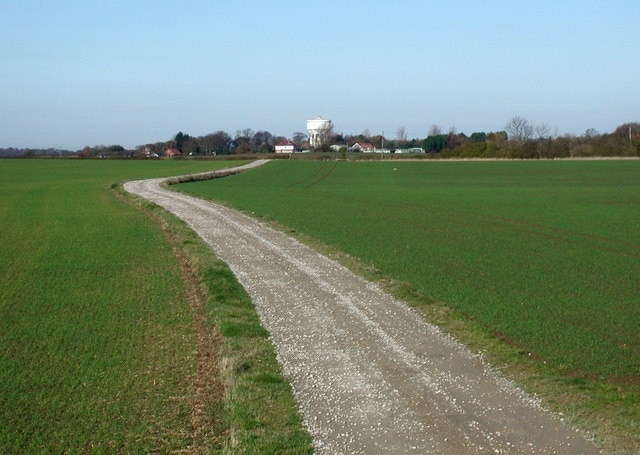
542 255
104 346
533 263
545 255
100 349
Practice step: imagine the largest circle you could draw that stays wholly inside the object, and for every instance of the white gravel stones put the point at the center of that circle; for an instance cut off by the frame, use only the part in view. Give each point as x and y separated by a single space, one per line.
369 375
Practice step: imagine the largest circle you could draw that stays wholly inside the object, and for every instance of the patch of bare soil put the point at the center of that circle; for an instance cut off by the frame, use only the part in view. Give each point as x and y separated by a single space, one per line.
369 375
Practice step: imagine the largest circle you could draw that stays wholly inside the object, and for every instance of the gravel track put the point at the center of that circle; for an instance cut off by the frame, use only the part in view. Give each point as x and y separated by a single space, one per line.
369 375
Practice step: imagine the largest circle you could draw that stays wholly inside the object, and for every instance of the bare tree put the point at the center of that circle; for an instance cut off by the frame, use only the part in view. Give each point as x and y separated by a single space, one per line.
435 130
328 134
299 137
542 130
591 133
262 141
242 141
190 147
401 136
218 143
247 132
519 129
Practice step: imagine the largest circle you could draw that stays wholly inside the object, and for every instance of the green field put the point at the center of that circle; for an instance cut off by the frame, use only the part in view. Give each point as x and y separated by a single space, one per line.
545 255
101 342
534 263
103 346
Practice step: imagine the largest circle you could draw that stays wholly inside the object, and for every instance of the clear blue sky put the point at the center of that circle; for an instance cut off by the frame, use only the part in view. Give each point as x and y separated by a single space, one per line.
77 73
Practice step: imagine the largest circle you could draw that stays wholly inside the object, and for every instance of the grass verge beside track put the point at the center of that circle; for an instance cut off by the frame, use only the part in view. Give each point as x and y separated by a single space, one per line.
257 410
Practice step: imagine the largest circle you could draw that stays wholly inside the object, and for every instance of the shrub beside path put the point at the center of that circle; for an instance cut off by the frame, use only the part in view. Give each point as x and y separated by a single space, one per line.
369 375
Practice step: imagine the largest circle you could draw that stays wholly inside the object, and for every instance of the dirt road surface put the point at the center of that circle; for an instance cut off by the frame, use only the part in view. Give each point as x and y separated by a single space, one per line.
369 375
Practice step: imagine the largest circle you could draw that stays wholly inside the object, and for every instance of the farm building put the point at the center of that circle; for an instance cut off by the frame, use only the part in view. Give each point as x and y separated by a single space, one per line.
363 147
285 146
414 150
172 152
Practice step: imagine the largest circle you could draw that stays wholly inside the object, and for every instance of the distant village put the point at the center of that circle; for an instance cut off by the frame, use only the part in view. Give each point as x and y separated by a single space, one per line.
520 139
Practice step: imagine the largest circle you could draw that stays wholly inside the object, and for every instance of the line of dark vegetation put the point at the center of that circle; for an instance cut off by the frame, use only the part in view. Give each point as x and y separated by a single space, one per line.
520 139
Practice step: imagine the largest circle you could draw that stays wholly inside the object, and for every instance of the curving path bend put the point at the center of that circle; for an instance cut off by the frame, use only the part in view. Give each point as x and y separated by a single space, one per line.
369 375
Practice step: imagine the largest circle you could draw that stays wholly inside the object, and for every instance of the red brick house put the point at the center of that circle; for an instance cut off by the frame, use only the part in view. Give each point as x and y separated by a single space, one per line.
363 147
172 152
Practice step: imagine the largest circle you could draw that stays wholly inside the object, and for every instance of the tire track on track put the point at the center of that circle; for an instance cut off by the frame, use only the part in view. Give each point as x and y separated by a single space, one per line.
369 375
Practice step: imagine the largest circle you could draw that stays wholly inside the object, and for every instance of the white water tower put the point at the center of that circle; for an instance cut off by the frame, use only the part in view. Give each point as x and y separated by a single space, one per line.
319 130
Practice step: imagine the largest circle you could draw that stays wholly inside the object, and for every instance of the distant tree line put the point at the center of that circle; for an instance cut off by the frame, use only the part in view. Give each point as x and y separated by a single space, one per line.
520 139
13 152
245 141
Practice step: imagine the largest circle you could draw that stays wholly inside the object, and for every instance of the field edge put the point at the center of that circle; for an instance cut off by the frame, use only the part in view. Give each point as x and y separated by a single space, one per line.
233 350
